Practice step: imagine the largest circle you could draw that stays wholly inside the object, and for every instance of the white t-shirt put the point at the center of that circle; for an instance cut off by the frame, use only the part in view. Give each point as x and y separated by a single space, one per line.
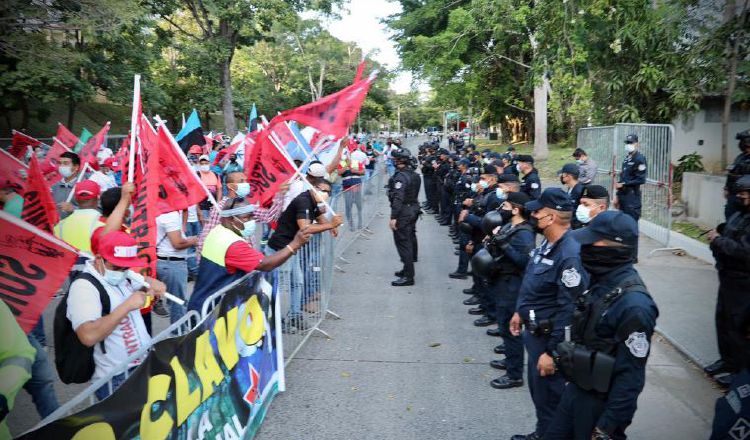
129 336
192 214
103 154
104 181
171 221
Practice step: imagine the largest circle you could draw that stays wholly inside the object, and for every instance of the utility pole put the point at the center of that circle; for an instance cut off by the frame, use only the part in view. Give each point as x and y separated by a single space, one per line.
398 123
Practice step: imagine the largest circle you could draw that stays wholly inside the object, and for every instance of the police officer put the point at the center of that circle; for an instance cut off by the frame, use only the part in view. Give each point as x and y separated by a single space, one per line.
552 278
403 190
530 182
730 244
632 177
604 359
594 200
509 249
428 173
740 167
441 173
569 178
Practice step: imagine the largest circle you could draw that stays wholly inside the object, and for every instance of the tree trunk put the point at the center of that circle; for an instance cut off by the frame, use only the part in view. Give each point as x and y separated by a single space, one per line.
71 111
207 118
541 149
227 106
729 15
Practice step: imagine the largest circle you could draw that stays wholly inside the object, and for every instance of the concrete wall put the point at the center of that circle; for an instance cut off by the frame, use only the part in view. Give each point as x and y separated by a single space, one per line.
703 196
690 130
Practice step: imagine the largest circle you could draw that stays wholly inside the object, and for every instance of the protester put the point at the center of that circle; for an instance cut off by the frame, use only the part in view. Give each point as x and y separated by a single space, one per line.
11 200
77 228
16 358
120 333
105 176
69 167
586 166
351 172
171 252
212 181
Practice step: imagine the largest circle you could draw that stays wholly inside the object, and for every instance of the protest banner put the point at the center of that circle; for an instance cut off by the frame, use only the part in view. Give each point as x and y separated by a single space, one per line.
52 160
92 146
19 143
39 207
266 167
66 137
12 172
35 264
143 223
215 382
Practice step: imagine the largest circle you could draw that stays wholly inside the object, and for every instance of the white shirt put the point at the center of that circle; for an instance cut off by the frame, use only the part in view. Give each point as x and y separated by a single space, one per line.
129 336
104 154
169 222
104 181
192 214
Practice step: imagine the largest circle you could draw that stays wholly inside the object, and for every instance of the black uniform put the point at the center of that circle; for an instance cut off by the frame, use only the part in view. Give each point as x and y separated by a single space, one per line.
575 194
632 177
403 189
740 167
732 413
531 184
732 253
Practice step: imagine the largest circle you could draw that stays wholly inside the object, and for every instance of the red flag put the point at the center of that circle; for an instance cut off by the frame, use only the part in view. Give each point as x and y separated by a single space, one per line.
35 266
12 171
179 186
266 168
93 145
52 160
122 157
332 114
360 70
19 144
143 224
39 207
66 137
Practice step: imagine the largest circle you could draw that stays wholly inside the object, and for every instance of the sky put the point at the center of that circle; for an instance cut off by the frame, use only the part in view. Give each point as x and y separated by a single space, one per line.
359 22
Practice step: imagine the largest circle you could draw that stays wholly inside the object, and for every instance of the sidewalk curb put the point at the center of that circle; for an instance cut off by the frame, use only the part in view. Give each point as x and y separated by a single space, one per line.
681 348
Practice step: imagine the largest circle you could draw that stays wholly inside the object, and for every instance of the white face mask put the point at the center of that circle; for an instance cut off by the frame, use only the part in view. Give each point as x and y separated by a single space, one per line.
474 187
518 168
629 148
243 189
483 184
204 168
500 194
583 214
65 171
114 277
248 228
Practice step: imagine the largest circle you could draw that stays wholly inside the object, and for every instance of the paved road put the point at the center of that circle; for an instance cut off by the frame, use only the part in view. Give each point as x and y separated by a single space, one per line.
408 363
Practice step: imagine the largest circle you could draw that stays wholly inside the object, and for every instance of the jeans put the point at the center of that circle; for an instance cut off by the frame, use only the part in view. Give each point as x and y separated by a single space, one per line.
193 229
291 279
38 332
391 168
103 392
174 275
353 196
41 384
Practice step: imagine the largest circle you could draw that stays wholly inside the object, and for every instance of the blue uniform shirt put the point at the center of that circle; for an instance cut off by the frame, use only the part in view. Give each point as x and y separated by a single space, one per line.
553 278
634 169
531 185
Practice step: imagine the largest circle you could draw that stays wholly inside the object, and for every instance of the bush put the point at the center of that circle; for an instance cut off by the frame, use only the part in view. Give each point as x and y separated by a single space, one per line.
688 163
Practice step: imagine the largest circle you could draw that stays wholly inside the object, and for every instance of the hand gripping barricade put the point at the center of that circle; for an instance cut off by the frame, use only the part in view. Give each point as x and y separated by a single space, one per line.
605 145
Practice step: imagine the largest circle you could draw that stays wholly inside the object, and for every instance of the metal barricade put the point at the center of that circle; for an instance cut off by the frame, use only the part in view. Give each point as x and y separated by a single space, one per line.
87 397
359 205
605 145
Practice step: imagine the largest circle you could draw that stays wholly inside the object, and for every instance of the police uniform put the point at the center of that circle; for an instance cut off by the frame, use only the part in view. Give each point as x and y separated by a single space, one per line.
740 167
403 190
632 177
732 412
605 359
552 278
731 251
530 183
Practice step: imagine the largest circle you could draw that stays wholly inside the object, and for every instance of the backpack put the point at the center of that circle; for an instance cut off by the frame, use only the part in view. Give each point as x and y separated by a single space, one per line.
73 360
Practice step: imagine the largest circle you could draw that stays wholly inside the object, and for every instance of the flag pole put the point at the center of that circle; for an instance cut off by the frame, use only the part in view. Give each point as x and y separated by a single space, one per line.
181 154
134 125
78 179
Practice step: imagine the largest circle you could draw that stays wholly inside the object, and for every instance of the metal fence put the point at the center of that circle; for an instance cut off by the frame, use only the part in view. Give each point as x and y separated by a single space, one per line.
605 145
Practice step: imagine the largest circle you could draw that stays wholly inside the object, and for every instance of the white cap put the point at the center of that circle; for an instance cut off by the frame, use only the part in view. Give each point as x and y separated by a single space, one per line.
316 170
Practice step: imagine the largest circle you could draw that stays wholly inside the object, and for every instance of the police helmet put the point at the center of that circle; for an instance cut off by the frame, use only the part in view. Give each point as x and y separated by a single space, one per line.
401 154
744 138
490 221
481 262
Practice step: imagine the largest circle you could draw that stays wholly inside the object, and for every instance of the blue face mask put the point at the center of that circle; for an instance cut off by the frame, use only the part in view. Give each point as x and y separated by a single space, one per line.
583 214
114 277
500 194
474 187
248 228
483 184
243 189
579 161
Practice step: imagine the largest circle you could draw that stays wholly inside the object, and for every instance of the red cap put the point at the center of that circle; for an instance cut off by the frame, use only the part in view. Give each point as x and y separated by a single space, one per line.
195 149
109 162
120 249
87 190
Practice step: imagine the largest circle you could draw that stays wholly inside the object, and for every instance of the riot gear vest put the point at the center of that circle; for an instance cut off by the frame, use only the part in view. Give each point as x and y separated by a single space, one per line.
503 266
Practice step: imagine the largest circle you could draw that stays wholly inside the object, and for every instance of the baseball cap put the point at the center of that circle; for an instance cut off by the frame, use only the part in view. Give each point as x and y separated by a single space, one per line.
525 158
518 198
504 178
569 168
595 192
631 138
87 190
316 169
120 249
609 225
552 198
203 157
195 149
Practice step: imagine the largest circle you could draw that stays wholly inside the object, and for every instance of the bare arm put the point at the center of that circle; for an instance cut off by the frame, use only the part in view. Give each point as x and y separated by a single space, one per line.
178 242
335 161
275 260
316 228
92 332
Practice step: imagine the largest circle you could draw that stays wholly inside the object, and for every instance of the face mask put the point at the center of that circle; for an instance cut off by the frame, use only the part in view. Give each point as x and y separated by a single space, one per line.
583 214
599 260
518 168
204 168
483 184
243 189
248 228
506 215
486 160
114 277
65 171
629 148
500 194
474 187
579 161
534 223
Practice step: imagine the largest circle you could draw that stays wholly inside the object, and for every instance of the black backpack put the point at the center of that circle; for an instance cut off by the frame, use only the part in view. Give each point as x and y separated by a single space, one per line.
75 361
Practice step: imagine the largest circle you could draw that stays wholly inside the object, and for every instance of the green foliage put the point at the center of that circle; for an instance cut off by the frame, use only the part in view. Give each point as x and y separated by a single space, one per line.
688 163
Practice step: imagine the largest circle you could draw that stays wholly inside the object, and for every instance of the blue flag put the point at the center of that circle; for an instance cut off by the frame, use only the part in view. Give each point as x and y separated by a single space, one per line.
191 133
252 120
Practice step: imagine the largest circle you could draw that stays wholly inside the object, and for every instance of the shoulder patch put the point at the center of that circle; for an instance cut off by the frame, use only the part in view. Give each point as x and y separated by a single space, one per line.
571 277
642 167
398 185
535 185
638 344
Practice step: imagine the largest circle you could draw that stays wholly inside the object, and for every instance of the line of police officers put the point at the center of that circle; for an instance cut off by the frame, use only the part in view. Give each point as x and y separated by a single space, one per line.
574 301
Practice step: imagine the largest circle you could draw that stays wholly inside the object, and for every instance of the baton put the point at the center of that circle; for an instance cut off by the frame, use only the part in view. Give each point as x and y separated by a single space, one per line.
701 235
138 278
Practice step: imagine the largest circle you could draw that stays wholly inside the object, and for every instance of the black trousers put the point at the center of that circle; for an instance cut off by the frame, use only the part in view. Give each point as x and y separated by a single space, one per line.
577 415
405 237
732 301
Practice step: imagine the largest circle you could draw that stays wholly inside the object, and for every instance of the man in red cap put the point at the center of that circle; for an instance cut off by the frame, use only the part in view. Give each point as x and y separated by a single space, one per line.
105 176
76 229
115 330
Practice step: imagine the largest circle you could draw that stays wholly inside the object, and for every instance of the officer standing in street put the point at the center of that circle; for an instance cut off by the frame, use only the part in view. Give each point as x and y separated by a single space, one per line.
730 244
553 277
604 360
740 167
633 175
530 182
403 192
